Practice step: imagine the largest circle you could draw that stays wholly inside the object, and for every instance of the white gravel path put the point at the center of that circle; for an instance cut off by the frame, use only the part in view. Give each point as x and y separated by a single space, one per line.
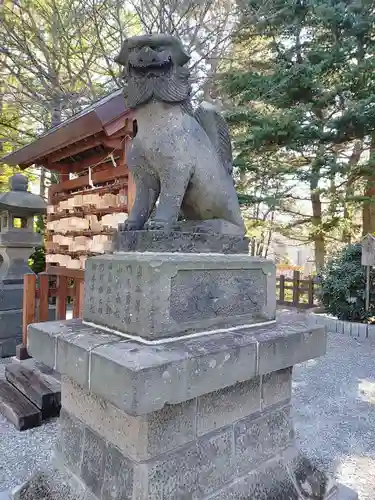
334 412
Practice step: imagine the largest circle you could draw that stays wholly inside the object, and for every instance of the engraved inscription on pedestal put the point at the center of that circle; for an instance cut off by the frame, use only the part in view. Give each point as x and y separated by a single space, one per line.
156 295
113 290
198 295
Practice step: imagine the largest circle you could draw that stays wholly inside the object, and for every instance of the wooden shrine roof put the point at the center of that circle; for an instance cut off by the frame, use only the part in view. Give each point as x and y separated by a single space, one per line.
80 140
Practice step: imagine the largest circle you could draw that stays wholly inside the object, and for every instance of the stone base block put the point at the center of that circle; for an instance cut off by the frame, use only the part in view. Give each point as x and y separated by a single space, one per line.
287 476
274 483
140 379
179 241
10 323
52 484
11 296
8 347
207 418
157 295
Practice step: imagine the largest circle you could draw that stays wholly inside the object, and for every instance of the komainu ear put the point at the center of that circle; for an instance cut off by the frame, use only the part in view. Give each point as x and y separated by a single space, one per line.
179 56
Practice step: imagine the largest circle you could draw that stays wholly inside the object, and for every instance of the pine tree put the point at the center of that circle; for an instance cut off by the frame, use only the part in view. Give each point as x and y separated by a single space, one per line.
308 96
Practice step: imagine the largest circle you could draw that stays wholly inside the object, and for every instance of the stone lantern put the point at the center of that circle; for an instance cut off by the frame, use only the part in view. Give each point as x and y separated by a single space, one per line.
17 242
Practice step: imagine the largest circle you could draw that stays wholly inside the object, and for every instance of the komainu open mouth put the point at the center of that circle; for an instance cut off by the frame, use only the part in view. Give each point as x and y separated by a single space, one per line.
154 68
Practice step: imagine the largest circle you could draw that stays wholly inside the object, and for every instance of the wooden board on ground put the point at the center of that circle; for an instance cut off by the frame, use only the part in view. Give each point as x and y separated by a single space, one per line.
42 390
17 408
33 364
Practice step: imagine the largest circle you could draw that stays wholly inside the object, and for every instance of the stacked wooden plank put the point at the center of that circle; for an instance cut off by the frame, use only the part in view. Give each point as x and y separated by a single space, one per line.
81 225
28 395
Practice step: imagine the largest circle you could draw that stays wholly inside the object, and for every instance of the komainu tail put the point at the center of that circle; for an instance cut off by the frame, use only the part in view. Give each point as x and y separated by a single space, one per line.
210 119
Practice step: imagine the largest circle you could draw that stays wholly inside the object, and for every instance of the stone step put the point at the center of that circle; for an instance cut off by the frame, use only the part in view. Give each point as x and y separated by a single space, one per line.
17 408
43 390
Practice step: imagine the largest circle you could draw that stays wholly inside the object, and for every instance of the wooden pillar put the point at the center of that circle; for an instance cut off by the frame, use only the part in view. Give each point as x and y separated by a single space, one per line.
282 289
28 304
296 287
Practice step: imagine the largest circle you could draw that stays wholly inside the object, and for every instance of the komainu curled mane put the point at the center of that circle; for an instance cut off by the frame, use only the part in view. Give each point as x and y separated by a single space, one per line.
180 158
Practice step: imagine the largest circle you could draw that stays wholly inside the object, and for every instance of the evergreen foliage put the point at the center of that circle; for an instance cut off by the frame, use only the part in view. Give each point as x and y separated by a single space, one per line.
306 98
343 285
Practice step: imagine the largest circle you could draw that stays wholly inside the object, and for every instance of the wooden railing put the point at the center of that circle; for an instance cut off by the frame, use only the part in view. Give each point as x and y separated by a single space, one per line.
296 292
59 282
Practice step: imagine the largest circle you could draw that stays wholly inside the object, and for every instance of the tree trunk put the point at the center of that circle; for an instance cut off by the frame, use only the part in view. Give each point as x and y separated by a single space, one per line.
316 205
368 210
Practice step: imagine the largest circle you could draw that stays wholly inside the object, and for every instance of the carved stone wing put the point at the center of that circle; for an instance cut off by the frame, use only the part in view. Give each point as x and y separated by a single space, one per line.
210 119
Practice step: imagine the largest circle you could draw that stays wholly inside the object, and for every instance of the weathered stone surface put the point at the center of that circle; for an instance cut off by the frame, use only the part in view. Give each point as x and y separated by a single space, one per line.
73 352
178 241
182 157
42 390
277 350
273 480
93 461
104 471
155 295
174 476
139 438
55 484
17 408
170 373
118 476
71 441
220 408
42 345
11 297
269 482
8 347
276 387
66 346
256 440
140 379
10 331
10 324
216 466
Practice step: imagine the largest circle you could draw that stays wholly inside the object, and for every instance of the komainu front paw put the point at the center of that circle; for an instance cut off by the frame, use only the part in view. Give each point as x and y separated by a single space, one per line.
159 225
128 225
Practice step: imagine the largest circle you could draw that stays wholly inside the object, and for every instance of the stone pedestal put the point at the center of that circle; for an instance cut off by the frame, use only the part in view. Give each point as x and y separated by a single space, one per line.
204 418
178 385
154 295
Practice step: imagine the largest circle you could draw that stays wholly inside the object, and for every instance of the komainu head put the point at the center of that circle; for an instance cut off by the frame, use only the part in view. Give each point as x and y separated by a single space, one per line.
154 69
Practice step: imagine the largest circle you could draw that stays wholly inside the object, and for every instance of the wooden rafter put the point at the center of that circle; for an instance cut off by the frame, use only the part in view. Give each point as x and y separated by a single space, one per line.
74 149
74 167
113 143
100 177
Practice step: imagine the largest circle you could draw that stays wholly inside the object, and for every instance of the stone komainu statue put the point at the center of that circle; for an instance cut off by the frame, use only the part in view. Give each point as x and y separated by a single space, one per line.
180 158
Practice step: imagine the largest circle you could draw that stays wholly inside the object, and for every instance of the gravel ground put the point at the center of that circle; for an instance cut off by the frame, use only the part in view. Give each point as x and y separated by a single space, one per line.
22 453
334 412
